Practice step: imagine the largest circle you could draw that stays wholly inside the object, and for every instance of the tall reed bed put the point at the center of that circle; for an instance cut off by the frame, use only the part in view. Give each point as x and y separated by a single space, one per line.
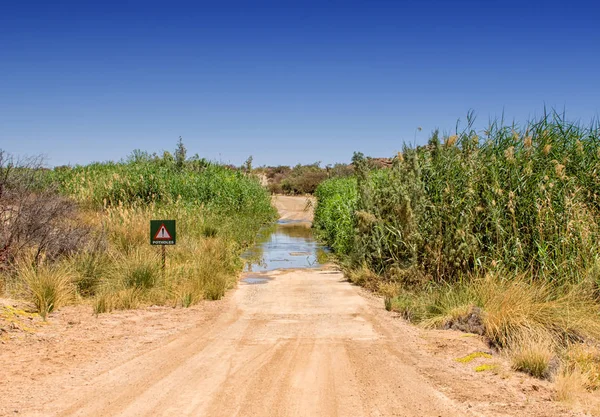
515 208
161 180
523 199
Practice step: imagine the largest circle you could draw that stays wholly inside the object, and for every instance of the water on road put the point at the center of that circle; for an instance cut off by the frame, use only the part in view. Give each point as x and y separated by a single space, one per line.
287 245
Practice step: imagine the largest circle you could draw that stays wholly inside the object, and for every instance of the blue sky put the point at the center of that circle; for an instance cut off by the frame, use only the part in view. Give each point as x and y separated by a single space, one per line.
286 82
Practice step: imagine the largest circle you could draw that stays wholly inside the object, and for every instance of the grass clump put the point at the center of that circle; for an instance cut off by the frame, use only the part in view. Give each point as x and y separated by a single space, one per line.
102 304
533 354
89 268
363 276
209 231
141 272
564 312
569 384
584 360
46 287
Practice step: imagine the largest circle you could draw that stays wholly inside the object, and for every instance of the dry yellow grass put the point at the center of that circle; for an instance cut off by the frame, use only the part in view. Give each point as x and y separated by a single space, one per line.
46 287
200 266
532 353
584 359
363 276
569 385
532 320
518 304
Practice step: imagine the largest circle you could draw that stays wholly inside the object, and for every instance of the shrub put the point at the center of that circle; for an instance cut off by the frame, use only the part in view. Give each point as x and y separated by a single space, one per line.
33 218
301 179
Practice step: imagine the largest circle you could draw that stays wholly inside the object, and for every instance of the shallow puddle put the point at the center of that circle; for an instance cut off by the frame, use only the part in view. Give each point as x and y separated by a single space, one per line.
288 244
255 280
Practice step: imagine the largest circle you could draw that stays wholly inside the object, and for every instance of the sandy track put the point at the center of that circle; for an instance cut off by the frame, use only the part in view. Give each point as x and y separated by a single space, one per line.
307 343
303 344
299 209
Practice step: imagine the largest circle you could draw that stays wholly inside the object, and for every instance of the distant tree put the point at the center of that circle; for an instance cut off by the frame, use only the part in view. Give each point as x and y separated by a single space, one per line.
248 164
137 155
180 153
361 165
358 158
341 170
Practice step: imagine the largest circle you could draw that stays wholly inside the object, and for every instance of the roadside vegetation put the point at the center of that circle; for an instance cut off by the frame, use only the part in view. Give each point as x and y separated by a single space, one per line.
81 234
493 232
300 179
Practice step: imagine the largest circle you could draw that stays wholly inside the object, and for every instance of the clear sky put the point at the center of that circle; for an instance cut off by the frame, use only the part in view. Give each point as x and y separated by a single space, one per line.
284 81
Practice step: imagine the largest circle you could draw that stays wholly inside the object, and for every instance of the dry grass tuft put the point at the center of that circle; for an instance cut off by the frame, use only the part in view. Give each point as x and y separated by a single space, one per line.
569 384
47 287
533 354
363 276
512 305
584 359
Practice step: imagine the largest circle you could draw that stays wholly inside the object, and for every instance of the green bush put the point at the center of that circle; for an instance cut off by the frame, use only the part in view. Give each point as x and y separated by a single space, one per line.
301 179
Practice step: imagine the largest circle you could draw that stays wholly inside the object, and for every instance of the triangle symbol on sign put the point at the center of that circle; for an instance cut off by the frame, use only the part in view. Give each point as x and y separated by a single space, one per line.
162 234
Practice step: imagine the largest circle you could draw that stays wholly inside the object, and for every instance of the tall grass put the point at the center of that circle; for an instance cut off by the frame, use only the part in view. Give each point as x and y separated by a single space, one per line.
334 213
162 181
203 264
218 212
525 199
495 232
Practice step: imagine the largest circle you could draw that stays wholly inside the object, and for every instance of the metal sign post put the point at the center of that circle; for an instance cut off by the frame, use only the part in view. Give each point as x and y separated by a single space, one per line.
163 233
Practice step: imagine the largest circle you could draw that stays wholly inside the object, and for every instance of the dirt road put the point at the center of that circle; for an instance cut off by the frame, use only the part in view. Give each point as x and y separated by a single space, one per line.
306 343
299 209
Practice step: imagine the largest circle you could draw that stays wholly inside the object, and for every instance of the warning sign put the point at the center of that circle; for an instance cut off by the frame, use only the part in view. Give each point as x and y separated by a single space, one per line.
162 232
